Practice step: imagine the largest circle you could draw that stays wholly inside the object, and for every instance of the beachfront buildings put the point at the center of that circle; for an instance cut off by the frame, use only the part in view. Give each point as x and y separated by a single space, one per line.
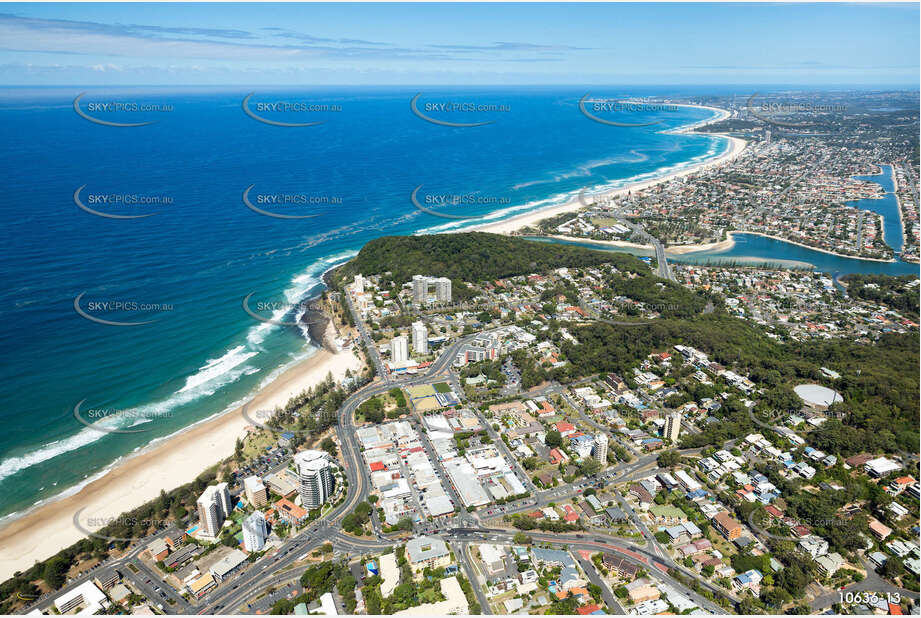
420 338
316 478
254 532
213 509
256 492
86 595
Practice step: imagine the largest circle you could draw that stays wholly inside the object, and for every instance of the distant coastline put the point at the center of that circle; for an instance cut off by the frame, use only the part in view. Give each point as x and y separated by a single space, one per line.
529 219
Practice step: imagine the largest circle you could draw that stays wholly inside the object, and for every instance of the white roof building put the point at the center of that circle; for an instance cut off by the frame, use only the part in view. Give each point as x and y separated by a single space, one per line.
87 596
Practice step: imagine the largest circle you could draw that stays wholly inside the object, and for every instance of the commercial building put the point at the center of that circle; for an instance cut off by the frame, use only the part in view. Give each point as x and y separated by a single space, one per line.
427 551
420 338
256 492
493 558
672 427
227 566
399 351
254 532
316 478
158 549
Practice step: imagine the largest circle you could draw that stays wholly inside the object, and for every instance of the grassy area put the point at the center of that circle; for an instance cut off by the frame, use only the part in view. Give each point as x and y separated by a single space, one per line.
442 387
256 444
604 221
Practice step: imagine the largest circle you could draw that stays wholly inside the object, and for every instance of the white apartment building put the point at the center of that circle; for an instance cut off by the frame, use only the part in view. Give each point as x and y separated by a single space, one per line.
399 350
421 284
600 450
420 338
213 508
316 478
672 427
254 532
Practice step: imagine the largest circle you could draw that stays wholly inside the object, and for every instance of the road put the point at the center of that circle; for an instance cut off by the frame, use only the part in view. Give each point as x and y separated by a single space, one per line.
138 580
594 577
235 594
461 552
371 347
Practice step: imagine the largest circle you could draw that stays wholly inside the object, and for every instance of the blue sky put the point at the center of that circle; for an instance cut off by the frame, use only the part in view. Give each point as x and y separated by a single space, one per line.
503 44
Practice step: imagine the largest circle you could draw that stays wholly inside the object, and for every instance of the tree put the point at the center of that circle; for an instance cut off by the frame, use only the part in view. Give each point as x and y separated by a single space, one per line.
521 538
892 568
553 439
530 463
329 446
589 466
667 459
55 571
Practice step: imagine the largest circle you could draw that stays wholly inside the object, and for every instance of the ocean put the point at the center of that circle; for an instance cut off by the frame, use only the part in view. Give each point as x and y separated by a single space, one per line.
78 393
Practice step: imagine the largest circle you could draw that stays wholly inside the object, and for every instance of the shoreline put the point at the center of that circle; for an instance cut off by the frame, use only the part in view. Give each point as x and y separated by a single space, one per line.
165 464
737 146
723 245
140 477
799 244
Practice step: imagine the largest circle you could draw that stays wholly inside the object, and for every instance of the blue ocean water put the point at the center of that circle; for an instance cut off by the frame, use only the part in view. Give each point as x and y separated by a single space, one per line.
200 254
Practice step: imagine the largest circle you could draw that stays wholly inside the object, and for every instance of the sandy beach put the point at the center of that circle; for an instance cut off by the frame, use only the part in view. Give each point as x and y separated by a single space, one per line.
723 245
164 466
530 219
